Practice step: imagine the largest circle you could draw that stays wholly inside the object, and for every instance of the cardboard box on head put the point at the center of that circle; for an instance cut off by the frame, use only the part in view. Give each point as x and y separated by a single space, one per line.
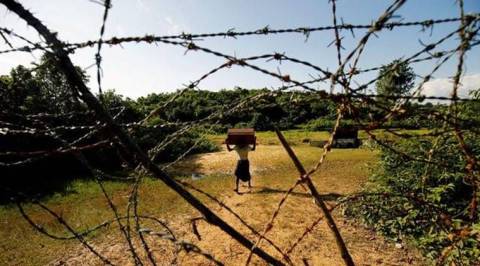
236 136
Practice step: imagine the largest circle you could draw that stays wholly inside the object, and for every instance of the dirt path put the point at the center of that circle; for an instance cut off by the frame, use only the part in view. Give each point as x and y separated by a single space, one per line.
256 207
317 248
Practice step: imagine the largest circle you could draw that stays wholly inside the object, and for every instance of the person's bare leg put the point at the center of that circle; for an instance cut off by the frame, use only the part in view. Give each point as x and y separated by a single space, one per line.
236 185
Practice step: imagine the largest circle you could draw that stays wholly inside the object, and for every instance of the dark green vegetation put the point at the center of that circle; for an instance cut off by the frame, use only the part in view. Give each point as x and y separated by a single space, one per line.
432 203
425 189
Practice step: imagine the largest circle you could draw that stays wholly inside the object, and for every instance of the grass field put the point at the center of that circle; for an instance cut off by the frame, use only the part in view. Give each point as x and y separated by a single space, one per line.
84 206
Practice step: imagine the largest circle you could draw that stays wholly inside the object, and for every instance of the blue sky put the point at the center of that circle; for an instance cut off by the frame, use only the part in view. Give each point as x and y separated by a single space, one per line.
136 70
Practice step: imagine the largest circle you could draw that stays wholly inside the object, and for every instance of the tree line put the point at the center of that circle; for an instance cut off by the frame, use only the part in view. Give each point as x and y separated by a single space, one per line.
43 89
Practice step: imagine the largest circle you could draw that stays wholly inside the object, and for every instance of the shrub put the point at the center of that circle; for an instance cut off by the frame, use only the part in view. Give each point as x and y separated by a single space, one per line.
149 137
427 203
182 145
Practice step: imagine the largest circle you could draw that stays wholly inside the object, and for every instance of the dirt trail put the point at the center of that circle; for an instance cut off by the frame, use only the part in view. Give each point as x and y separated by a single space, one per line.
256 207
317 248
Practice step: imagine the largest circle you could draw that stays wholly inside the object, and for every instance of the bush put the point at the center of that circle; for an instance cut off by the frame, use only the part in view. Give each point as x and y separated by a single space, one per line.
182 145
429 204
216 129
49 174
149 137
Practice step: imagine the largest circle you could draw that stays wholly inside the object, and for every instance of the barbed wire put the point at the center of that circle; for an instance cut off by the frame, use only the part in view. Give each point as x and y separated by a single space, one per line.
429 23
98 57
349 100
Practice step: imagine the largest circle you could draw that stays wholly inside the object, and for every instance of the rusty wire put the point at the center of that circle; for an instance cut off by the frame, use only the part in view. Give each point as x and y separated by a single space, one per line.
345 100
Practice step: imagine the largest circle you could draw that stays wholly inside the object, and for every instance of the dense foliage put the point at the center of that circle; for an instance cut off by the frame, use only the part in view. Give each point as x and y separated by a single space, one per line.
284 110
35 100
421 190
424 202
39 89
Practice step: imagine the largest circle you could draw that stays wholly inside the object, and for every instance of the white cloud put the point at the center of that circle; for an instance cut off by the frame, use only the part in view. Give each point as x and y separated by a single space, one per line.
443 86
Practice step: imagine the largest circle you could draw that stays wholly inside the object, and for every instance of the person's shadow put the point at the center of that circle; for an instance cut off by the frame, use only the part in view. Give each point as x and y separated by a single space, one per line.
266 190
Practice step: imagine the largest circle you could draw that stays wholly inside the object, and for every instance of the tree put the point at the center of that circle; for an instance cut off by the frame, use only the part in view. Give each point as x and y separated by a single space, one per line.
54 86
395 79
19 93
115 102
42 88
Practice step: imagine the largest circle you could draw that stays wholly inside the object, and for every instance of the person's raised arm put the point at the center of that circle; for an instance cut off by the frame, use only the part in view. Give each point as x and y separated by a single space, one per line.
254 144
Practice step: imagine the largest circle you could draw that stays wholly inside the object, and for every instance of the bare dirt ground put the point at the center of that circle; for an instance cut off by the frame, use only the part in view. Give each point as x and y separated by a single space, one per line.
343 173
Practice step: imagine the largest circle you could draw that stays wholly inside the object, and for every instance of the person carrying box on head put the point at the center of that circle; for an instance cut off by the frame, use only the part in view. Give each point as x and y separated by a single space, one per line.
244 141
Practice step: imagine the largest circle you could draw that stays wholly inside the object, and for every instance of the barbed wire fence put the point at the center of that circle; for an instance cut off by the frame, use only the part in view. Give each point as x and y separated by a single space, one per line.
131 223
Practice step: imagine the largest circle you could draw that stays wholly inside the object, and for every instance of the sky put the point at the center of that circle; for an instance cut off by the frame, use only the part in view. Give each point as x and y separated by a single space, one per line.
135 70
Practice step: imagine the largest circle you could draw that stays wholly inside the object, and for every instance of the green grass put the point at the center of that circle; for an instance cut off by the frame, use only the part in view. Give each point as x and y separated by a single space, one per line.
294 137
84 206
